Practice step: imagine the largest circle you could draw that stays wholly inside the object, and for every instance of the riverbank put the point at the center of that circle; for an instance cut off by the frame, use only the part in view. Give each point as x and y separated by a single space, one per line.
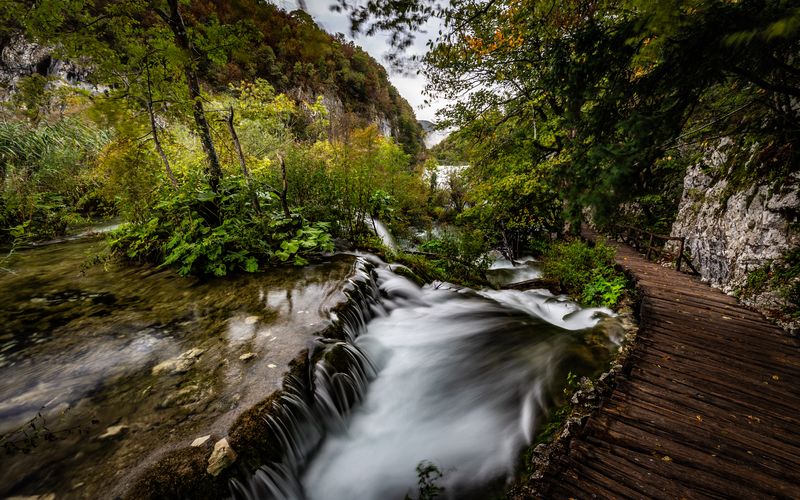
105 371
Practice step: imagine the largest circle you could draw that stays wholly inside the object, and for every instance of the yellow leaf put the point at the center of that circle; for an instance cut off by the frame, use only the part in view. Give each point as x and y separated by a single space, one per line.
666 458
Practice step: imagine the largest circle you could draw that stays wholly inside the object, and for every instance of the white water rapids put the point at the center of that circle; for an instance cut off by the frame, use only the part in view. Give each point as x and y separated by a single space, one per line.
463 378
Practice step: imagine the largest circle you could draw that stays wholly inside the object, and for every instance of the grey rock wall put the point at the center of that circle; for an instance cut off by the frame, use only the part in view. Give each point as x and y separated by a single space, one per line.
20 58
730 233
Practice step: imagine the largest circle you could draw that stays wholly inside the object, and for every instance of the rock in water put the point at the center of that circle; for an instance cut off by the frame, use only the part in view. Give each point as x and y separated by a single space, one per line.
222 456
178 365
200 441
114 431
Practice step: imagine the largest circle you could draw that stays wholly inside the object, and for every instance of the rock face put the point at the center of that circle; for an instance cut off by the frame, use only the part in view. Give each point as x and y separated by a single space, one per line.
732 232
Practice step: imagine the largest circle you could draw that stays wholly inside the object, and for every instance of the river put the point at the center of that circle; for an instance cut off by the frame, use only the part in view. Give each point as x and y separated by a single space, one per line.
126 363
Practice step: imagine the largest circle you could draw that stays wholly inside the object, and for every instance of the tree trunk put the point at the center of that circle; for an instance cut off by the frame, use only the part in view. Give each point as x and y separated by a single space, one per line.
283 192
175 21
154 130
242 162
161 153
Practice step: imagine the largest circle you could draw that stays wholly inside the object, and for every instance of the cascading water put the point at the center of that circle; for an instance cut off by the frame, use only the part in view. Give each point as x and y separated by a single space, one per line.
442 374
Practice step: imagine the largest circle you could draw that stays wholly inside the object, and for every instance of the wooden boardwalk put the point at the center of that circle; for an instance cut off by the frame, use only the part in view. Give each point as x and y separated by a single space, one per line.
711 408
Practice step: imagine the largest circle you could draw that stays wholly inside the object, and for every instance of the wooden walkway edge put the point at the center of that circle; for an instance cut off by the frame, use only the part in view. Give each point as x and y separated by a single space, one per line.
711 408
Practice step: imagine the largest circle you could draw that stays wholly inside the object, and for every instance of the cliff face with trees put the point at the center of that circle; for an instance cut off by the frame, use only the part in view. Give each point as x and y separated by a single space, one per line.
253 40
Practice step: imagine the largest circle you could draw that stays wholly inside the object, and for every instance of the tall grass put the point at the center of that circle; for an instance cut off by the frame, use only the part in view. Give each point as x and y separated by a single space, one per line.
46 174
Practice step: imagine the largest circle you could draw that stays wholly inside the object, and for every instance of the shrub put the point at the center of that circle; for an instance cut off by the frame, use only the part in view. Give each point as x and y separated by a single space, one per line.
461 255
586 272
45 174
203 233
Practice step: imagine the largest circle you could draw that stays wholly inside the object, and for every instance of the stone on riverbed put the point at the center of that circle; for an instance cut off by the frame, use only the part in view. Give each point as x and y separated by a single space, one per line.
222 456
200 441
181 364
114 431
247 356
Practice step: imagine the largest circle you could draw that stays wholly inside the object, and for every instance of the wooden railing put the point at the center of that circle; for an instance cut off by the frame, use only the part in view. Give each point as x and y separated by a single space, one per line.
643 241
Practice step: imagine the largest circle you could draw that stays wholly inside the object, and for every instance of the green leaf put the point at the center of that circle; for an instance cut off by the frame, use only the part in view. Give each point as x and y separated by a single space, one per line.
251 265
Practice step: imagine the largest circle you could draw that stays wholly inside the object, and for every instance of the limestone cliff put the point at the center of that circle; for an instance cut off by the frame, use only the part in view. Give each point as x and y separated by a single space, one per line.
738 236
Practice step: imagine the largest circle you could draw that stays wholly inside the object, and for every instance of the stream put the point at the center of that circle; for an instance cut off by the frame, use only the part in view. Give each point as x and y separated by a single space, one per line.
123 364
460 379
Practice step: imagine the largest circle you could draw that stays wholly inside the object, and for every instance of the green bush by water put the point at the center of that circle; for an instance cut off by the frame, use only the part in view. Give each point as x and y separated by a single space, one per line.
46 177
585 272
200 232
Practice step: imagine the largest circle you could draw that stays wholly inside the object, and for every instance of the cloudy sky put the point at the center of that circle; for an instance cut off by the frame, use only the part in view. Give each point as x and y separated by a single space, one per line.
409 86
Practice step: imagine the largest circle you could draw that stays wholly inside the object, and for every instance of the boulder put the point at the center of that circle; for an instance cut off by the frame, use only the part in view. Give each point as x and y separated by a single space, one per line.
221 458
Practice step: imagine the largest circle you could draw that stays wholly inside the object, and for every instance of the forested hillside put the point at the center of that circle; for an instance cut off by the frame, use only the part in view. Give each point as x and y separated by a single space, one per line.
287 49
227 136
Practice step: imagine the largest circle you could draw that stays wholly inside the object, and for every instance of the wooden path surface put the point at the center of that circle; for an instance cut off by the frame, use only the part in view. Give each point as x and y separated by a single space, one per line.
711 408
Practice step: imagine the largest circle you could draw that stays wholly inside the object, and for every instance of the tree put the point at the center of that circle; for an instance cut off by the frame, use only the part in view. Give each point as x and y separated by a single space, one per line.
142 50
604 86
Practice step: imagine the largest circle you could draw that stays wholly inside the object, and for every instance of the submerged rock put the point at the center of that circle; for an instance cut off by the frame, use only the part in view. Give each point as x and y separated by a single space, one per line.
247 356
181 364
114 431
200 441
222 456
173 366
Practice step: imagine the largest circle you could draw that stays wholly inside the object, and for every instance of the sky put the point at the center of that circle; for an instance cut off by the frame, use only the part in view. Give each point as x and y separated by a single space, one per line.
409 86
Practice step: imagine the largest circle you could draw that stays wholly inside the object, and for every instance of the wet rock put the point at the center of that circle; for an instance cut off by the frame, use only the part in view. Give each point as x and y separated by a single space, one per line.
222 457
192 353
201 441
173 366
115 431
250 320
181 364
187 395
247 356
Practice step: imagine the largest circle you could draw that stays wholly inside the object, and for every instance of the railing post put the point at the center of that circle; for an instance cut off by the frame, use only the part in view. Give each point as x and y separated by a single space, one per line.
680 254
650 246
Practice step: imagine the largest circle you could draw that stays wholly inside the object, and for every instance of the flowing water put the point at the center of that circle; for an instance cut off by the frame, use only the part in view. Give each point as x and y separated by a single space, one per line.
460 378
125 363
103 369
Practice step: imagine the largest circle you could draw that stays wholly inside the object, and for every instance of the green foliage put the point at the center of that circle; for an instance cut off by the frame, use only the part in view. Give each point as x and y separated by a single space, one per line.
601 290
200 232
585 271
608 93
782 277
47 180
461 255
428 474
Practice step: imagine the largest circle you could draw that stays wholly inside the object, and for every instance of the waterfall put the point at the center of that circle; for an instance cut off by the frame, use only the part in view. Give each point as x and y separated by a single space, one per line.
444 374
384 234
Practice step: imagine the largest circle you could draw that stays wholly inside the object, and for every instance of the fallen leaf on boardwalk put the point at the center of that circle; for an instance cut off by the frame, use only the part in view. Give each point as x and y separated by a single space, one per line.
775 377
667 458
753 419
699 418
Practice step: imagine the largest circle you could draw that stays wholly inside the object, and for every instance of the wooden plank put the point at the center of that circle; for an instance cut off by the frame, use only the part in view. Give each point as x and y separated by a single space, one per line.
714 387
707 433
757 380
665 377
